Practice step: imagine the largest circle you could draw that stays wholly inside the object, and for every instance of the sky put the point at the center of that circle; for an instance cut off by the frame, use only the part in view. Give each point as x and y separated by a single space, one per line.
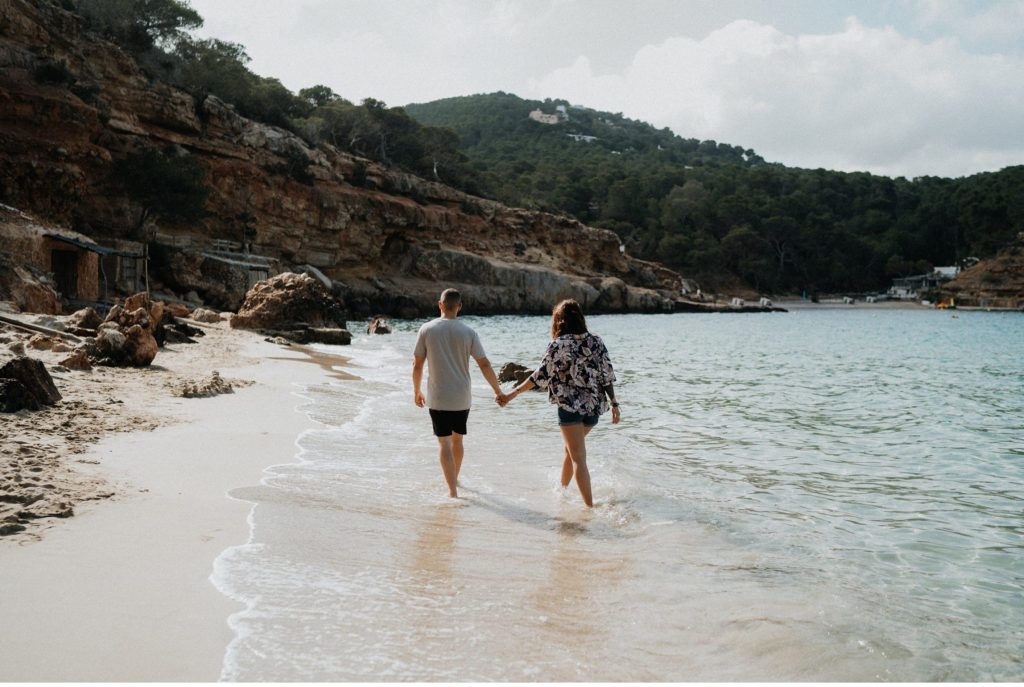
900 88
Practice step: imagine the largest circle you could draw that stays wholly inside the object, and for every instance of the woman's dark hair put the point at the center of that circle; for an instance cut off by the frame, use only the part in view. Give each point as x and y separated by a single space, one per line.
567 318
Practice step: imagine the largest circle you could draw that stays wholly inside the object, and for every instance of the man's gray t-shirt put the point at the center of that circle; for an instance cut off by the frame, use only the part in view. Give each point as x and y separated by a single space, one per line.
447 346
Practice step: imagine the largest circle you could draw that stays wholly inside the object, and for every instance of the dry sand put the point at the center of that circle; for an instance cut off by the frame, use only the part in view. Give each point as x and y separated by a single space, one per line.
121 590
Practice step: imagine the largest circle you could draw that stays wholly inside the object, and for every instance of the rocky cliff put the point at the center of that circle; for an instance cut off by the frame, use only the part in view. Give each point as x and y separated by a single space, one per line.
997 283
71 104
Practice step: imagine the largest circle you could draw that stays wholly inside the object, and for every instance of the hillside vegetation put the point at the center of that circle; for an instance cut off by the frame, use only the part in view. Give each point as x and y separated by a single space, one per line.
714 210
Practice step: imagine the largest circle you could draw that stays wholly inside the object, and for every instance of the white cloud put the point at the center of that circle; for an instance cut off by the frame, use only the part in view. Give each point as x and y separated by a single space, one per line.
1000 20
862 98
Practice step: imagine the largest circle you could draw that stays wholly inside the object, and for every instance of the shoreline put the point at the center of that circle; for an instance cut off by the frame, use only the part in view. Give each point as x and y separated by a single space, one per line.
122 591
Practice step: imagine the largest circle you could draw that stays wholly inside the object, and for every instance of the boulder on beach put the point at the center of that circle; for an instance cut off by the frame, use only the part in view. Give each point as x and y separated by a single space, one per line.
36 385
379 325
286 301
14 397
177 309
127 337
78 360
86 318
205 315
513 372
40 342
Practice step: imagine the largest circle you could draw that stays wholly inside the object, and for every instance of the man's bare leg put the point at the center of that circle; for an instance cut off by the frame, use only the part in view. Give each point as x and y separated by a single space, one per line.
458 451
448 465
573 436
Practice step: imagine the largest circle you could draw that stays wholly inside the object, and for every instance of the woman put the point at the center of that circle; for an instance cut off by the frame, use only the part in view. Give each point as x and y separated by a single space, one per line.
578 375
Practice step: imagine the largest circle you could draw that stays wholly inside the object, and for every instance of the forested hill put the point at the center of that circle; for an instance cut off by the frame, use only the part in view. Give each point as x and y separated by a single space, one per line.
718 211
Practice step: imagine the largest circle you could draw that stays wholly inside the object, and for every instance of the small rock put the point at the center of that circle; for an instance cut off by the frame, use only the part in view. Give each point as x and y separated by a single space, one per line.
211 386
174 336
86 318
204 315
17 348
40 342
61 347
177 309
77 361
10 528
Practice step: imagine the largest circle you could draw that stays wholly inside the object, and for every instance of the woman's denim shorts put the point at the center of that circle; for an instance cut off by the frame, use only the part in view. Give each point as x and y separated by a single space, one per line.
566 417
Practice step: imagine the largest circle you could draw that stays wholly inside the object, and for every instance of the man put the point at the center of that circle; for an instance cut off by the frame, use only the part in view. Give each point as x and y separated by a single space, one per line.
446 345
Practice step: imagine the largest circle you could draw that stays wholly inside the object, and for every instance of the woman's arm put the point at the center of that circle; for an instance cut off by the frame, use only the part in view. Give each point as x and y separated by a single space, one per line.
525 386
609 390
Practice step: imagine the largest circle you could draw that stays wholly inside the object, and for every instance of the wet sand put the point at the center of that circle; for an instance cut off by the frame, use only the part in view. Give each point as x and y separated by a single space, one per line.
121 590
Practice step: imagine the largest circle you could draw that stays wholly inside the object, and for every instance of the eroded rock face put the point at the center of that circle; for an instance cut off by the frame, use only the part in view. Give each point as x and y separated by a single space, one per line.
288 301
997 283
357 219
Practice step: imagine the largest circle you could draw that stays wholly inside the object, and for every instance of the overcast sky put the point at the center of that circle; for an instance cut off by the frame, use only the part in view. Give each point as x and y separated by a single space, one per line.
897 88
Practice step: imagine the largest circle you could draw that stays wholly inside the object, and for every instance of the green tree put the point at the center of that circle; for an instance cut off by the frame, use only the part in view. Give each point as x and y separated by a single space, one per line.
139 25
319 95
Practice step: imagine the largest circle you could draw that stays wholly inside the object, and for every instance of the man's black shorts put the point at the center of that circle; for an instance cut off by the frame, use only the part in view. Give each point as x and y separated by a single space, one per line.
448 421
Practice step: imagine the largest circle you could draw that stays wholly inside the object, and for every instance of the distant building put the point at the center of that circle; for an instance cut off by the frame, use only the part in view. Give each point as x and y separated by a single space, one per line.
560 116
581 137
909 288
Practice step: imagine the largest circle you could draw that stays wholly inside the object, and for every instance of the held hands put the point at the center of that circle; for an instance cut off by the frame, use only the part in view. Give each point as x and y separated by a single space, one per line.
616 416
502 399
419 399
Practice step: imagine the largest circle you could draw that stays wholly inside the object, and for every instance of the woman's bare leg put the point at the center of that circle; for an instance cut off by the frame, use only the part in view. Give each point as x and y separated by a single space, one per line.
567 469
575 444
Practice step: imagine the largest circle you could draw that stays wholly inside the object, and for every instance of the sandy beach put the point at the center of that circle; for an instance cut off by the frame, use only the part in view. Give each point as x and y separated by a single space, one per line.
121 590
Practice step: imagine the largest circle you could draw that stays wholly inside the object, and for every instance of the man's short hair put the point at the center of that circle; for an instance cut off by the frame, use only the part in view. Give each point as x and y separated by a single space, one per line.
450 298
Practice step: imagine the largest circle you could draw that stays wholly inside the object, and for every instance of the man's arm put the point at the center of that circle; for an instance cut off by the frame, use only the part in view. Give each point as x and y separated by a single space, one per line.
488 371
417 380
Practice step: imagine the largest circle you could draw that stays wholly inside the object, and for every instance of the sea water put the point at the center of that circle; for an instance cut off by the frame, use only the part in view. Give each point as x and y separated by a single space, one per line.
819 495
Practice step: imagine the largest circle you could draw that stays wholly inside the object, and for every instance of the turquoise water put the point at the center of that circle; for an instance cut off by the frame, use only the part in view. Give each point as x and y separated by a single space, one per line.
827 495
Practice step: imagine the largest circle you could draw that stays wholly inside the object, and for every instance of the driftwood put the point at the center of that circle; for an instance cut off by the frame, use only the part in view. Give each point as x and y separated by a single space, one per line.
38 329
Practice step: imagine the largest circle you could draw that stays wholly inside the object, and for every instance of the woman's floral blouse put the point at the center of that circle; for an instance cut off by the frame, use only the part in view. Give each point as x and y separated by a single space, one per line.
575 370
